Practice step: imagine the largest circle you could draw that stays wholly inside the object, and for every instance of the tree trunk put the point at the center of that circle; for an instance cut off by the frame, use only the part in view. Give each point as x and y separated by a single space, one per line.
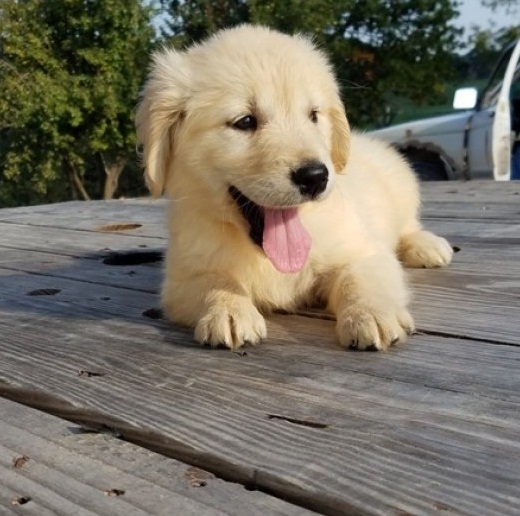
78 183
112 172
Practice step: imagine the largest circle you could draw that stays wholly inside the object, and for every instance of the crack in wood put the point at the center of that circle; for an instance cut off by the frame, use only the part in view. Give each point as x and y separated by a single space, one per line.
464 337
118 227
301 422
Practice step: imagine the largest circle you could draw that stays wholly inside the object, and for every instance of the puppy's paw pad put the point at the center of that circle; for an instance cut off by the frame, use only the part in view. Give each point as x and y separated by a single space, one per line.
231 327
373 329
423 249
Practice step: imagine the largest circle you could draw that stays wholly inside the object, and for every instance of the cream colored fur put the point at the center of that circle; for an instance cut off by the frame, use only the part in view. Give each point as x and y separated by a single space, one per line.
217 280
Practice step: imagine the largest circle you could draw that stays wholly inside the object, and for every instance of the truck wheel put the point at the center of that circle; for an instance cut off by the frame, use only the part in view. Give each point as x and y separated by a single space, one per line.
430 171
428 165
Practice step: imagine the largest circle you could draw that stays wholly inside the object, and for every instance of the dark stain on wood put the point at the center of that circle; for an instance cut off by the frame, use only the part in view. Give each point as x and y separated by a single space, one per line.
132 257
439 506
44 292
19 462
21 500
114 492
89 374
197 477
153 313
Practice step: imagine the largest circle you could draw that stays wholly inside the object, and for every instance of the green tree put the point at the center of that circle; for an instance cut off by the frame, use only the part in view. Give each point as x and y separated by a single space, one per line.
511 5
192 20
70 72
485 46
382 49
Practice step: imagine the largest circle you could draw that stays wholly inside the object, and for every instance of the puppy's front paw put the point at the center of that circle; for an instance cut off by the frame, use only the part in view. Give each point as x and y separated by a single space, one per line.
373 329
231 325
424 249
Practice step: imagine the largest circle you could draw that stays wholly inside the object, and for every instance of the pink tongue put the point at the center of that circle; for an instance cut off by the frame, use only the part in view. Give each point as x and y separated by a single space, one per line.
285 241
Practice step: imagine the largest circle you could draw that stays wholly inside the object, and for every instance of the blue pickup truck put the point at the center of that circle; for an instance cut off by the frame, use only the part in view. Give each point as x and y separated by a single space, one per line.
481 140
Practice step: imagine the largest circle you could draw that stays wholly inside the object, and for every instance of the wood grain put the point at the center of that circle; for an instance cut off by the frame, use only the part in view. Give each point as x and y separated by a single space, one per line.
91 216
427 428
390 419
481 283
49 466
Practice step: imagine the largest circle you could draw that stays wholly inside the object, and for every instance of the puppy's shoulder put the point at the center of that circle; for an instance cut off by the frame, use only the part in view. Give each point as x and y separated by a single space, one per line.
374 159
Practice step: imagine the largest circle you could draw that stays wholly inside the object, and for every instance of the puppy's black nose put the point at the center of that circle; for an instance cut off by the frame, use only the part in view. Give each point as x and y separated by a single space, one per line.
311 178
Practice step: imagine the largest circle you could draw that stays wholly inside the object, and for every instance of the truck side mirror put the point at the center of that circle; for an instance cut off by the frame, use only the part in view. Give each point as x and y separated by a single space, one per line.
465 98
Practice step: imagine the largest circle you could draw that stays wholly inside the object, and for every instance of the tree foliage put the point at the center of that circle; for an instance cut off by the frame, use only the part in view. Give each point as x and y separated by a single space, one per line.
485 48
512 6
382 49
70 72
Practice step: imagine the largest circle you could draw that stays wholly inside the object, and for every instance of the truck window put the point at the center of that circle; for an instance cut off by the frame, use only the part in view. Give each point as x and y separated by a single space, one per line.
492 90
514 95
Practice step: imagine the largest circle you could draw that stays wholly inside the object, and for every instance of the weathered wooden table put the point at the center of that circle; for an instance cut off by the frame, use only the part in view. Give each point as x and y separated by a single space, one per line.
148 422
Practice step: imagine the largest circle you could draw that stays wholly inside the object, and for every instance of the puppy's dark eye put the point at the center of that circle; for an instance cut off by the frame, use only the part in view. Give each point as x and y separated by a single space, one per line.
246 123
313 116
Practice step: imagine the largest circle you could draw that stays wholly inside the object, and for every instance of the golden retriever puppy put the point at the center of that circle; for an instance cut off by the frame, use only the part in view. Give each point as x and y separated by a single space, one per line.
275 203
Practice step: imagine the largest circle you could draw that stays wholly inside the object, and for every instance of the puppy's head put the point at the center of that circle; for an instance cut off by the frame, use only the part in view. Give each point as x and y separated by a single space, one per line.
249 106
251 116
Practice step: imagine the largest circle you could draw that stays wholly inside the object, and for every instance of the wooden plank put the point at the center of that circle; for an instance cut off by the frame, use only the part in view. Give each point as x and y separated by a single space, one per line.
432 424
476 255
457 231
482 298
482 210
148 215
481 283
480 235
144 277
51 466
486 200
477 299
88 215
70 242
470 191
85 305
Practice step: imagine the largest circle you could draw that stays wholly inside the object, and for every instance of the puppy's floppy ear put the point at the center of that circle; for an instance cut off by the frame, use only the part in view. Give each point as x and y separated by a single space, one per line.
340 140
159 113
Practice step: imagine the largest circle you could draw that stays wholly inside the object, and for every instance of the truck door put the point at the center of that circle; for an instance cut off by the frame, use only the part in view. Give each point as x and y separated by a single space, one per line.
502 135
489 134
480 160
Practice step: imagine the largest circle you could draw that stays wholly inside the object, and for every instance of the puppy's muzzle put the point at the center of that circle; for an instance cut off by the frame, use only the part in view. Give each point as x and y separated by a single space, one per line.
311 178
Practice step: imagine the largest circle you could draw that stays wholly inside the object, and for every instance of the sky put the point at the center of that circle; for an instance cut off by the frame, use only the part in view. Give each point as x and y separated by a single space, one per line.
473 13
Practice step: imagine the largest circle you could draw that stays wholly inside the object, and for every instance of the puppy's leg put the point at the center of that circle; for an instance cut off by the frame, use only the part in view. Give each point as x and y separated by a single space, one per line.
370 301
422 248
217 306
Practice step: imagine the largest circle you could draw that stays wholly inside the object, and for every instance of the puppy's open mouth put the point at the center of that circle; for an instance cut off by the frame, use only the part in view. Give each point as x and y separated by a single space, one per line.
278 231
